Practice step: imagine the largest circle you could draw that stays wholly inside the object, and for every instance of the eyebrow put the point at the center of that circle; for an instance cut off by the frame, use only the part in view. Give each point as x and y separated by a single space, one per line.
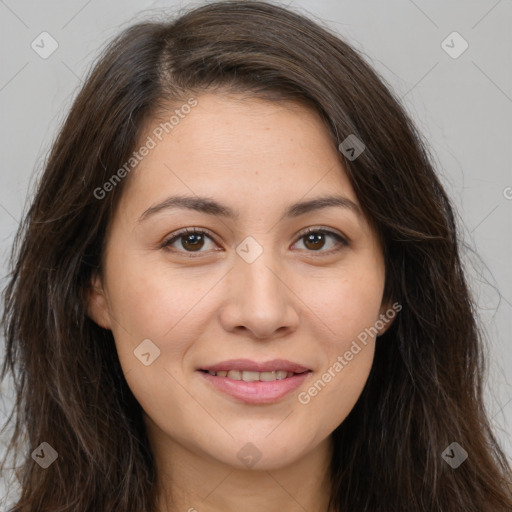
212 207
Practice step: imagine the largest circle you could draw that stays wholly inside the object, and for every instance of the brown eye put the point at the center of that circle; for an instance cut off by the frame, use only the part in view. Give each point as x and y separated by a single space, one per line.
192 242
315 240
188 241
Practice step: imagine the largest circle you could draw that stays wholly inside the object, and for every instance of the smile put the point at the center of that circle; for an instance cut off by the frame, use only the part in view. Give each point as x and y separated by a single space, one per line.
255 383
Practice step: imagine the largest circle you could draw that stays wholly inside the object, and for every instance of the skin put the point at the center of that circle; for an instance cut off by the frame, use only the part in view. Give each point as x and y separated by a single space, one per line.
296 301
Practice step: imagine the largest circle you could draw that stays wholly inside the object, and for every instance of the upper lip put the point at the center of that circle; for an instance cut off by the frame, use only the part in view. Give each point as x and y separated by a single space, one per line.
254 366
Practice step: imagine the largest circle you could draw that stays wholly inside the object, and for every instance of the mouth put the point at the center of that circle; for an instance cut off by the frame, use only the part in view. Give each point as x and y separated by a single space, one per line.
255 383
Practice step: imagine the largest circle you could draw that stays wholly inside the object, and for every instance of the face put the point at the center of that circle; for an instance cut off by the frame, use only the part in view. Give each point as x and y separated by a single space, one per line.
271 283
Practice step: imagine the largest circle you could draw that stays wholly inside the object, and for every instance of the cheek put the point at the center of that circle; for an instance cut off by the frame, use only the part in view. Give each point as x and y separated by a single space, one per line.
151 300
347 356
345 305
349 307
145 303
149 305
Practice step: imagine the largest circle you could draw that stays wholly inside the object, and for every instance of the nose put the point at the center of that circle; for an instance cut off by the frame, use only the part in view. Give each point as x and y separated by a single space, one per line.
260 302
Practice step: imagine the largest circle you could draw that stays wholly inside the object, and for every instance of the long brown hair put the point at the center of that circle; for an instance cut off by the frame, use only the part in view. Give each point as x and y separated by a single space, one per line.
424 391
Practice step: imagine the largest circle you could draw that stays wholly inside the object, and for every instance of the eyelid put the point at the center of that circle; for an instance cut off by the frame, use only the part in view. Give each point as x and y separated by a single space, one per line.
323 229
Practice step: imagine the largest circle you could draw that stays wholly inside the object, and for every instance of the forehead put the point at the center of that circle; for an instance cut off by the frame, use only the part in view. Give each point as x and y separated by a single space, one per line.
235 147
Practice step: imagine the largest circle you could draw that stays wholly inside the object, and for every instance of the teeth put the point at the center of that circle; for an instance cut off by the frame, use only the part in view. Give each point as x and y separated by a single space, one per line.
249 376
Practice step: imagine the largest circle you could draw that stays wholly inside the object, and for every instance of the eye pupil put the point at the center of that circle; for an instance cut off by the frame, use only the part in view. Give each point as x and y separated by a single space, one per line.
195 240
315 239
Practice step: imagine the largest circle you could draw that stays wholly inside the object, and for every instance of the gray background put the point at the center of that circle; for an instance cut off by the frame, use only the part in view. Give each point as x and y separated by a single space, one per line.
463 107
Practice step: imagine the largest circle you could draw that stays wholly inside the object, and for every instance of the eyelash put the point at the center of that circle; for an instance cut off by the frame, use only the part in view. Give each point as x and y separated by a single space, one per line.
343 242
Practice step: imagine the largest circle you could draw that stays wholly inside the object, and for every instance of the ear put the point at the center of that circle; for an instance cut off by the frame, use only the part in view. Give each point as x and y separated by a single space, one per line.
97 306
387 313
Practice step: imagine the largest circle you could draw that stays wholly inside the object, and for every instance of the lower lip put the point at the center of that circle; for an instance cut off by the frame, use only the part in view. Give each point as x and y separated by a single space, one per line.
257 392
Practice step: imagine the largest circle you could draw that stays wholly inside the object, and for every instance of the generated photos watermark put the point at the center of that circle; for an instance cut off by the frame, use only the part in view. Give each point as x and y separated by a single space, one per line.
157 135
304 397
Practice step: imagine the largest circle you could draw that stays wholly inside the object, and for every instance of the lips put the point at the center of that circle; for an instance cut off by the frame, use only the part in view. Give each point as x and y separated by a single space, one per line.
253 382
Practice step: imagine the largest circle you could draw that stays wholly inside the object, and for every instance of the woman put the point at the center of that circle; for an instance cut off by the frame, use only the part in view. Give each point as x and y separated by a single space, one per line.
239 285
